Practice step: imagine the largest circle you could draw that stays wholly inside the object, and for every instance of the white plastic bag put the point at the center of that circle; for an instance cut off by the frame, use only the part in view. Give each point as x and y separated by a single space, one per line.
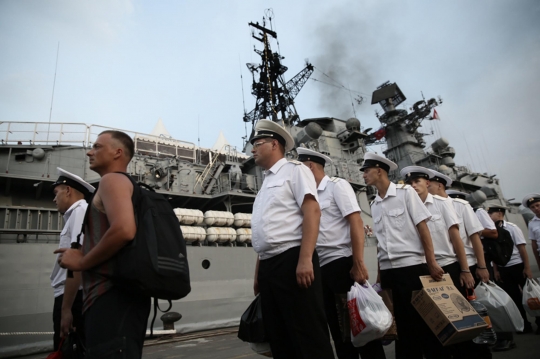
502 310
262 349
531 298
369 316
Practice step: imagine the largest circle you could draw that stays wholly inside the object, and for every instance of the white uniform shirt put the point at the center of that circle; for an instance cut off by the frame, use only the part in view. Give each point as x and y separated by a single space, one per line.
337 200
468 225
394 219
485 219
73 220
534 231
443 216
517 237
276 222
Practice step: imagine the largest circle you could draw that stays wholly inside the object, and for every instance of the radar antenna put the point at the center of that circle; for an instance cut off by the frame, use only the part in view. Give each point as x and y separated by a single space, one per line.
274 97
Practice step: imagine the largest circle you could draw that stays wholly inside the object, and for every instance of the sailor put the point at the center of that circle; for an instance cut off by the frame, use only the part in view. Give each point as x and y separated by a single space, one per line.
489 233
340 247
513 275
70 194
532 201
285 226
443 226
404 246
469 230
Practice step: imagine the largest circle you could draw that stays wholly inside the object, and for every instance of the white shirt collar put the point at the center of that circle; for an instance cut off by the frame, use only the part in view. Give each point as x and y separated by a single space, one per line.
535 218
72 208
276 167
390 191
429 199
324 182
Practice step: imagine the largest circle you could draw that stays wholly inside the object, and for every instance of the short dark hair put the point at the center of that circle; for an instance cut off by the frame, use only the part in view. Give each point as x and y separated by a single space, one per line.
124 139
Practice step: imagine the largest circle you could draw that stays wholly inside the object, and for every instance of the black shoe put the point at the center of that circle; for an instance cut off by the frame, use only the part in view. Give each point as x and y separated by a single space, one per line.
503 345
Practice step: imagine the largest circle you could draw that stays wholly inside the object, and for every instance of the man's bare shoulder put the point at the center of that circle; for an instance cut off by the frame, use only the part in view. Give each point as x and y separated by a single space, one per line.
115 183
115 180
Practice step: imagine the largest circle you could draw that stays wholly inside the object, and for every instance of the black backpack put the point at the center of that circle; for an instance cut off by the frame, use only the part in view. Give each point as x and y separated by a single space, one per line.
154 263
499 249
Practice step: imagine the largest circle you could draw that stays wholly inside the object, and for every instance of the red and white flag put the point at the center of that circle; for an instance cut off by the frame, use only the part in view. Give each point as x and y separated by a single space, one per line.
435 115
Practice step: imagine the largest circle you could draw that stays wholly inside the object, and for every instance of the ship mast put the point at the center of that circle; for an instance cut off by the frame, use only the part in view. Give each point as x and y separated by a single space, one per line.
274 97
405 144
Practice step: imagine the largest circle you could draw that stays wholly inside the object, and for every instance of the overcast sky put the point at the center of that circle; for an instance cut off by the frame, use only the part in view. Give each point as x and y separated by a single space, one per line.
125 64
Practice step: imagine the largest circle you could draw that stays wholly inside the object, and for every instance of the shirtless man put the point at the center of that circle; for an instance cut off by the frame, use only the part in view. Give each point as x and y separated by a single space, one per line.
115 319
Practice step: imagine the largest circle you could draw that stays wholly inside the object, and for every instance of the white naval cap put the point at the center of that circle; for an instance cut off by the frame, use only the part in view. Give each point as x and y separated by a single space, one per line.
456 194
74 181
411 172
529 199
441 178
267 128
305 154
373 160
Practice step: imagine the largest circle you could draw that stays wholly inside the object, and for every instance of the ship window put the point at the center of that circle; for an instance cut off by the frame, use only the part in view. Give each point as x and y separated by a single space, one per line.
206 264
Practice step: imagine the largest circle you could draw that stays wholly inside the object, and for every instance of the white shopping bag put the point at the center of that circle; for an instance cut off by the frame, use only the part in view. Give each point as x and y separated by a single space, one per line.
502 310
262 349
369 316
531 298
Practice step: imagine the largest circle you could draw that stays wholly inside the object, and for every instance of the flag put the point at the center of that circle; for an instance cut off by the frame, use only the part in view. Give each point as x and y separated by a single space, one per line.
380 133
435 115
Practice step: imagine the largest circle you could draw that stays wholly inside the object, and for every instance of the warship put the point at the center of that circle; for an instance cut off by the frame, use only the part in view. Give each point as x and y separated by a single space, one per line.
211 190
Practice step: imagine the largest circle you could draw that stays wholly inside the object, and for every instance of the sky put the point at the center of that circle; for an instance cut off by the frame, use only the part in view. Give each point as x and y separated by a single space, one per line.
127 63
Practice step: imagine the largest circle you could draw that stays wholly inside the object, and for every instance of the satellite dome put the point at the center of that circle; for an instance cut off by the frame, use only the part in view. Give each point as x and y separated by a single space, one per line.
353 124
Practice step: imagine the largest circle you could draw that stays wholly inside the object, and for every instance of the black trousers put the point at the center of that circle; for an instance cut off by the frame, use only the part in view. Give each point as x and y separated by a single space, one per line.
415 337
116 325
511 280
76 311
337 280
294 318
454 269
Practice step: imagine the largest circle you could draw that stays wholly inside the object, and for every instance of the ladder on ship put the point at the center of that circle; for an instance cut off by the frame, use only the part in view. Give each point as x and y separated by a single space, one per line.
20 220
208 178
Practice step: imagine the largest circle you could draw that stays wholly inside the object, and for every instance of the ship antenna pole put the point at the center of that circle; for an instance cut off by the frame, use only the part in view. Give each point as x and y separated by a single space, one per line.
54 84
352 102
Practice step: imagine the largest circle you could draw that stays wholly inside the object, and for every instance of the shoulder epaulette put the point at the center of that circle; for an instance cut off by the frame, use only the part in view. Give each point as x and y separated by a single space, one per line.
371 203
335 179
512 224
403 186
295 162
461 200
439 197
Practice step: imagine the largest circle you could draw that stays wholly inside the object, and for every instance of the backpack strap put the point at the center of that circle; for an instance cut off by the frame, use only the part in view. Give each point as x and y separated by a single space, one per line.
156 307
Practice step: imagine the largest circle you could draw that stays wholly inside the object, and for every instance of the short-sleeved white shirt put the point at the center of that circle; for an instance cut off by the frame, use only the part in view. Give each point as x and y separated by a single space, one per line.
277 217
485 219
73 220
394 220
517 237
443 216
337 201
534 231
468 225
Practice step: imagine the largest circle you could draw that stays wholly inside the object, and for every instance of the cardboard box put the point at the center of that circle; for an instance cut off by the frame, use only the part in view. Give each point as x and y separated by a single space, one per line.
447 313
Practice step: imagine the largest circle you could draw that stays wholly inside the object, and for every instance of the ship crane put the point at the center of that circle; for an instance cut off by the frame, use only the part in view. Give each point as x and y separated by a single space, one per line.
274 96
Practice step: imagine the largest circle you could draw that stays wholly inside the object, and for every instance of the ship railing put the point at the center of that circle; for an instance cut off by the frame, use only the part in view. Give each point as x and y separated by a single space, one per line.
19 222
43 133
80 134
